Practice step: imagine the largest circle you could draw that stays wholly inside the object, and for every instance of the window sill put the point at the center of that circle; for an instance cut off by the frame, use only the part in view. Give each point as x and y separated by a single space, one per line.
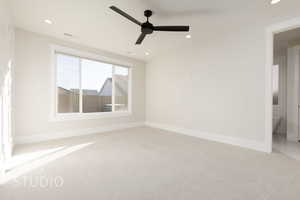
88 116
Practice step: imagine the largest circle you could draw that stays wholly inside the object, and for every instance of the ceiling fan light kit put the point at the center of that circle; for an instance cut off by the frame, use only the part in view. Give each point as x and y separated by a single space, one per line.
147 28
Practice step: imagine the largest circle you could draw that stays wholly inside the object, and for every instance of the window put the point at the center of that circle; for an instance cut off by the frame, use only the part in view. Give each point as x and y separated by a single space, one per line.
85 86
121 88
68 84
96 86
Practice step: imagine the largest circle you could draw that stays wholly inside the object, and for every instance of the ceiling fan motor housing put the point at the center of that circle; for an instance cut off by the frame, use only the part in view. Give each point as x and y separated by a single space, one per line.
147 28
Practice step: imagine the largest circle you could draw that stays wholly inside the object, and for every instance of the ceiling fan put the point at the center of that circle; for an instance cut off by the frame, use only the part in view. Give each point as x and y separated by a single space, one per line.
148 28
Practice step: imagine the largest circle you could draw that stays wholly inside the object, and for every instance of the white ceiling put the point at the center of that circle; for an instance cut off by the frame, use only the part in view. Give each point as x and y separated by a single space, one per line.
92 23
171 8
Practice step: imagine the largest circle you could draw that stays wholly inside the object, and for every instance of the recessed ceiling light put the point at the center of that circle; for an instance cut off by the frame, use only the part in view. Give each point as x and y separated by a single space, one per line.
48 21
275 1
147 53
188 36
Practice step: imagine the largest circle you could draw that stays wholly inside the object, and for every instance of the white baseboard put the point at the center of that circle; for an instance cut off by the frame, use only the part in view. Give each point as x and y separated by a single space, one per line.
254 145
73 133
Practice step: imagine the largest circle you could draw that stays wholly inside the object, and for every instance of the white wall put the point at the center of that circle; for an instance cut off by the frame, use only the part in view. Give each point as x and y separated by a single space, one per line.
6 57
215 83
33 90
6 38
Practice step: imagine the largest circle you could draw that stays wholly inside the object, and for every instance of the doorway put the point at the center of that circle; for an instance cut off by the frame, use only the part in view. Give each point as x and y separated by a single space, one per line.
283 93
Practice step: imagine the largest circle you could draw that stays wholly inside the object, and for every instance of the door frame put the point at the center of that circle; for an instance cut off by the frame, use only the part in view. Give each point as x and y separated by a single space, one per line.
270 32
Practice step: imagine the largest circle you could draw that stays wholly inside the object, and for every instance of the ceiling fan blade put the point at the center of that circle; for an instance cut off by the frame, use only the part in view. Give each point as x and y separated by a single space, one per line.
172 28
141 38
114 8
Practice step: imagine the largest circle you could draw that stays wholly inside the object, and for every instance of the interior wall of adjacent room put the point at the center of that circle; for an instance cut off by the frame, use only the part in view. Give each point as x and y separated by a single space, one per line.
293 58
214 83
280 111
33 88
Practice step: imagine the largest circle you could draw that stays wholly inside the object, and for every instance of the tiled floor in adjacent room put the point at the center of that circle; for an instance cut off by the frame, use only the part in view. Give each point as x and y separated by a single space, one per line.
288 148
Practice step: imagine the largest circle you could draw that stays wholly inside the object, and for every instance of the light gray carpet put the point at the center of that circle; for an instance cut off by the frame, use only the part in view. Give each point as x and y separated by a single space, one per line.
151 164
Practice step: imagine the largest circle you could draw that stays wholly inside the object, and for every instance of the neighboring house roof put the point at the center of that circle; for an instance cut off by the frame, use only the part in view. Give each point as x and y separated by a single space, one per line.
63 90
76 91
121 85
90 92
106 89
